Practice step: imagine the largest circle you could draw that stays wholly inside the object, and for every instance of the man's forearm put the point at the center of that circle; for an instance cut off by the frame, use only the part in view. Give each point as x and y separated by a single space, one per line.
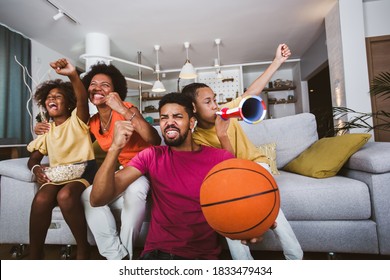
103 190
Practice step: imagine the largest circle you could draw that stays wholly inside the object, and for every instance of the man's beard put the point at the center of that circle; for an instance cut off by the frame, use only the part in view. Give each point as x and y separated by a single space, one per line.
177 141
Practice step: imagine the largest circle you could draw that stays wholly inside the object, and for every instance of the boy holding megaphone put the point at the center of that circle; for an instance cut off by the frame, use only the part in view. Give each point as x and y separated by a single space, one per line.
220 128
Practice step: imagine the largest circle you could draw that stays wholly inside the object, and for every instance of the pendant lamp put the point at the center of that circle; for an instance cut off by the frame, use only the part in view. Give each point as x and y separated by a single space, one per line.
158 85
188 71
217 62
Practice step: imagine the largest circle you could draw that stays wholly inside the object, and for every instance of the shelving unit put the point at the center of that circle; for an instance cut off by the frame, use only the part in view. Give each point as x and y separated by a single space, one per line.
153 113
280 101
236 79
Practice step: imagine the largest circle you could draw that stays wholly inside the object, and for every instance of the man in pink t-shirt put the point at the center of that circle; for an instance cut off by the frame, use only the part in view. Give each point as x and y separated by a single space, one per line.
178 229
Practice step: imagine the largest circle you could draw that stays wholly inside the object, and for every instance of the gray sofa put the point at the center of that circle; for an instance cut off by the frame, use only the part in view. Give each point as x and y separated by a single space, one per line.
348 213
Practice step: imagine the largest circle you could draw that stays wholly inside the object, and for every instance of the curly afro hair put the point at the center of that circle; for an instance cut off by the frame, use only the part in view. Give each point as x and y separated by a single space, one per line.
66 88
118 80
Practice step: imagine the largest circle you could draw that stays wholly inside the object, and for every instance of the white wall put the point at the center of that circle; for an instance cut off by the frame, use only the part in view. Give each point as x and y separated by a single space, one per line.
347 26
376 22
357 94
376 18
41 56
335 56
314 58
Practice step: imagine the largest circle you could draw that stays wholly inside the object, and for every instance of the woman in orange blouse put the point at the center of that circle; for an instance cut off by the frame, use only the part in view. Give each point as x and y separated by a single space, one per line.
107 90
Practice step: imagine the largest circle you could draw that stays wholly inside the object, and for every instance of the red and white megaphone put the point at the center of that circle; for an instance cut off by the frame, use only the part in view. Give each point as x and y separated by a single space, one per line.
251 109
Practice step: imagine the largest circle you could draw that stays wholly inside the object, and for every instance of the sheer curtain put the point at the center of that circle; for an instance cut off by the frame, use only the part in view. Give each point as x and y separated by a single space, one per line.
14 94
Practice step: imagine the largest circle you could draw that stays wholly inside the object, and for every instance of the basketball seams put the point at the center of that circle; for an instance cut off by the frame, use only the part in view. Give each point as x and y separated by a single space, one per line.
238 168
245 230
248 229
275 200
271 182
238 198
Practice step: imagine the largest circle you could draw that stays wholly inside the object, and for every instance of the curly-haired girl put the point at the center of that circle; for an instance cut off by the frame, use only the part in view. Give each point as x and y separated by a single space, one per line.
68 141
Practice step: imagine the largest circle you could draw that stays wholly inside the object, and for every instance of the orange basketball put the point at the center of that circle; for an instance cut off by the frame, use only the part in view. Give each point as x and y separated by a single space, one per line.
239 199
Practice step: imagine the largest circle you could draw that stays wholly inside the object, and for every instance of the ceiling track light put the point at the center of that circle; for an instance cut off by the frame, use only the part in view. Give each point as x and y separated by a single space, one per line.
188 71
61 13
158 85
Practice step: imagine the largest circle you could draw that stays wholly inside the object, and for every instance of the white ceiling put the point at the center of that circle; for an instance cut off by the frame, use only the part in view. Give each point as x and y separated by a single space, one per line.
250 30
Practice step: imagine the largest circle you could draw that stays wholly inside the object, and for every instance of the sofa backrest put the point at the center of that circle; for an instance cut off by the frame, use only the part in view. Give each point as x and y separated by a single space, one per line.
292 135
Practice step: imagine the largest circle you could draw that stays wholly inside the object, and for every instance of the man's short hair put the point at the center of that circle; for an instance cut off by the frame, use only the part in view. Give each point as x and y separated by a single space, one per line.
177 98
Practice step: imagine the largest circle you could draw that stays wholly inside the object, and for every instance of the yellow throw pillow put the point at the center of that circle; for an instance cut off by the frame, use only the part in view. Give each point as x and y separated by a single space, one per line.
269 150
327 156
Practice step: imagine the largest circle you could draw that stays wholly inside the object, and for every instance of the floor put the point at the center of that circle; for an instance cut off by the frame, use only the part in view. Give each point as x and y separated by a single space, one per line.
58 252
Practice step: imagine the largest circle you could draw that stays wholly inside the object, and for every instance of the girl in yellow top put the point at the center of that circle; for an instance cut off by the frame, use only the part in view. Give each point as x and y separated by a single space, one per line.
68 141
228 134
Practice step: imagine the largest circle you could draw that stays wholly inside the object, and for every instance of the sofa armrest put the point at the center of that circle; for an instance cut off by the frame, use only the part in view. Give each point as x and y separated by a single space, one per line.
371 165
374 157
17 169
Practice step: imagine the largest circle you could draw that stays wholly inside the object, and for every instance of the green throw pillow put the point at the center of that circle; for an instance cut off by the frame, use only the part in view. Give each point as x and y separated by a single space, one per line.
327 156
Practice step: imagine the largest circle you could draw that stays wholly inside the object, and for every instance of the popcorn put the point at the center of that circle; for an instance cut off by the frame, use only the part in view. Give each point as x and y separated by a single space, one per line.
66 172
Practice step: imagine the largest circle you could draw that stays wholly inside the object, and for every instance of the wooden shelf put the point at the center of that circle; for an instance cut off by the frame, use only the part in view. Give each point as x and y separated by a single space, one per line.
151 98
272 102
279 88
149 111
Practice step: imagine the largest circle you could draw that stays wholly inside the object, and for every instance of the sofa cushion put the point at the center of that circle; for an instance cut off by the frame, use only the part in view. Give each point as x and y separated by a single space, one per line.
292 135
327 156
334 198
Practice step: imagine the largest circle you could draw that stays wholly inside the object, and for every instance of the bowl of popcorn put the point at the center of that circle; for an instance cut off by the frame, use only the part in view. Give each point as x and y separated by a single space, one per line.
65 172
